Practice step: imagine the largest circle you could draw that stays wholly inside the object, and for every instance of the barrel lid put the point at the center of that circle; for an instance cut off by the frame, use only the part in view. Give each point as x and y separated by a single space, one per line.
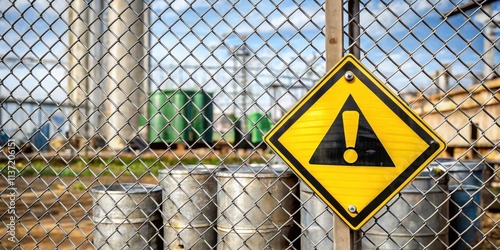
463 165
256 171
129 188
434 172
467 188
191 169
441 160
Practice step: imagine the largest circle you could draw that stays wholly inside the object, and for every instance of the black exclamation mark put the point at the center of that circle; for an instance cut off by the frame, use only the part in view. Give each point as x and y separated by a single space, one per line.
350 119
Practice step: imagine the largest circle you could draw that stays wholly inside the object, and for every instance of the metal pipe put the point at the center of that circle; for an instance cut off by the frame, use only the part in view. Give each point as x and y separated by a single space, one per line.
145 85
126 72
244 53
78 68
97 74
489 43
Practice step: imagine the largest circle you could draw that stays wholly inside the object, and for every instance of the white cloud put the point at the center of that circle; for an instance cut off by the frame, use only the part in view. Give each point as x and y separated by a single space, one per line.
177 5
378 16
298 17
49 7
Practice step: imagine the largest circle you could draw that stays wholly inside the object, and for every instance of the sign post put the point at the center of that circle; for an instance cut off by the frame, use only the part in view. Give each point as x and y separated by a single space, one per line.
334 36
353 141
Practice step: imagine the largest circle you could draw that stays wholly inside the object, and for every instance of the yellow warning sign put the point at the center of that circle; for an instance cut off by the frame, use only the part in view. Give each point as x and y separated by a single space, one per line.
354 142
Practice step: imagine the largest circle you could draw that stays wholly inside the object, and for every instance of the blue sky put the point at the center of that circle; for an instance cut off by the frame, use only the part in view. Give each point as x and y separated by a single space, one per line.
434 41
283 41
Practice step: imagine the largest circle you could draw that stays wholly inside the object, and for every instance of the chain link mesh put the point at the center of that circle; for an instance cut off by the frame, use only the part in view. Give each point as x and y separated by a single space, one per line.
98 97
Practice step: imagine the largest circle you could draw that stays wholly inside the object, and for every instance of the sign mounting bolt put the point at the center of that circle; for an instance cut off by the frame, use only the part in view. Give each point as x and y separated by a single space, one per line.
352 208
349 76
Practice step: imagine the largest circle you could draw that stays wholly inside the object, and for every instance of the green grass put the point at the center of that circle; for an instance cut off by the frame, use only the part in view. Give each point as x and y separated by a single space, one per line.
105 166
79 186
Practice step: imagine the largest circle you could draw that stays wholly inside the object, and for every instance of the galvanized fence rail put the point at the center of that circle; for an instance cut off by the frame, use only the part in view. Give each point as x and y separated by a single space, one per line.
138 124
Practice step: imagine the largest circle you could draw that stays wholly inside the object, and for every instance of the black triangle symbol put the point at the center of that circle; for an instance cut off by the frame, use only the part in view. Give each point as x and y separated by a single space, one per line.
369 149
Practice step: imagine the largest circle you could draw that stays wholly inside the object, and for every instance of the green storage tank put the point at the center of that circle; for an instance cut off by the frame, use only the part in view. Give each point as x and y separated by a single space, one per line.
233 135
169 111
237 133
157 121
142 120
258 125
202 112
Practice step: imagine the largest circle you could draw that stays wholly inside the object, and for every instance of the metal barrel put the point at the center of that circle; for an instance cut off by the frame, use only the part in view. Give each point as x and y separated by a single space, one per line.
494 203
257 206
126 216
417 218
465 220
467 172
466 180
316 220
189 209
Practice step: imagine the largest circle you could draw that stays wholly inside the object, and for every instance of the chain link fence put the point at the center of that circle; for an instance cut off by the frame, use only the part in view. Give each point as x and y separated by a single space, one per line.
138 124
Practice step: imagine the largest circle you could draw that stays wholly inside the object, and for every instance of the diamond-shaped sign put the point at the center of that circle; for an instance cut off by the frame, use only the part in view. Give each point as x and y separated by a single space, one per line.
354 142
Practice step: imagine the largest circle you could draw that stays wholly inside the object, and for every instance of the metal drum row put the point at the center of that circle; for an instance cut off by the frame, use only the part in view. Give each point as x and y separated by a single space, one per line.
244 207
440 209
415 219
247 207
256 207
